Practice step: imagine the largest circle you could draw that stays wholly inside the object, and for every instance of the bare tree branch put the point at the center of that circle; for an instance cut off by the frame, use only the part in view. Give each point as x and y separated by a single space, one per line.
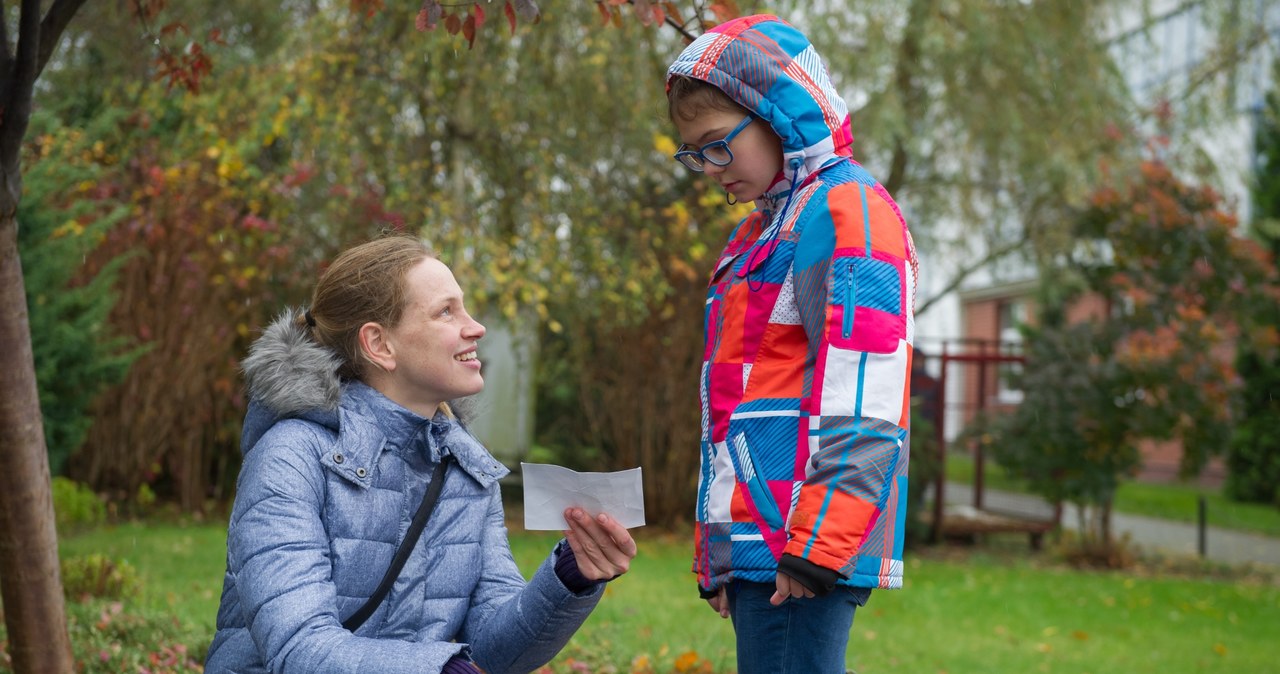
675 24
6 56
55 21
965 272
908 90
20 83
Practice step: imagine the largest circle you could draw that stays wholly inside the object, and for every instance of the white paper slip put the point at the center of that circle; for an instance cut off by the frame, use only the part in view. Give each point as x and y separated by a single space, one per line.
549 489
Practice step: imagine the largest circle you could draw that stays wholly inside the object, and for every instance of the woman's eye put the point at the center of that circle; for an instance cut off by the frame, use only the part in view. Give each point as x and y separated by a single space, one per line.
446 312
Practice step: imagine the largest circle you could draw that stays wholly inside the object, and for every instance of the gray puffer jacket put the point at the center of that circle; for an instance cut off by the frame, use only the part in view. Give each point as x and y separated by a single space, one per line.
332 475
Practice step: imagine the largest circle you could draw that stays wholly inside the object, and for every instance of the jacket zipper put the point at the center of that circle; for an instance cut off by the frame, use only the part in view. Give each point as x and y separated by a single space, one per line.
850 294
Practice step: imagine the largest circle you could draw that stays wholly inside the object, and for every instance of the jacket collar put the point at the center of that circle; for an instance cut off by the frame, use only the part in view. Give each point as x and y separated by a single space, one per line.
369 423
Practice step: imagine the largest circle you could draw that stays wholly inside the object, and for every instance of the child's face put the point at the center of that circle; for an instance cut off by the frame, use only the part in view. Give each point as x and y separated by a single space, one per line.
757 151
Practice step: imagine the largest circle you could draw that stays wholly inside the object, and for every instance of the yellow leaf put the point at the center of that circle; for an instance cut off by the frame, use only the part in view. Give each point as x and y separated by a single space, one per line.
686 662
664 144
1220 649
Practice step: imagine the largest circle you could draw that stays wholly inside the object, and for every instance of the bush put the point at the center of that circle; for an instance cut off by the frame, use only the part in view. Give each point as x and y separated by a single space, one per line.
97 576
108 638
76 506
77 354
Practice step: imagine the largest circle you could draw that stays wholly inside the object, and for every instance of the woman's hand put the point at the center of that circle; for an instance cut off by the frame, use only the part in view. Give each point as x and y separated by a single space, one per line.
603 547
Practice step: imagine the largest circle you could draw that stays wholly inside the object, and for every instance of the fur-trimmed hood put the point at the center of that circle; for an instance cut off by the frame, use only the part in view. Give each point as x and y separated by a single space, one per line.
289 373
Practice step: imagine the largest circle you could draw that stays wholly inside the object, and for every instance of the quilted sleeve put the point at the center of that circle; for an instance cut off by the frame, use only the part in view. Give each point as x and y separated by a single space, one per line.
855 277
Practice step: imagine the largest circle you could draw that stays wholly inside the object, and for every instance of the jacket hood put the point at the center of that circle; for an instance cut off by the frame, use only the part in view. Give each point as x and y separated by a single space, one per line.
771 69
289 373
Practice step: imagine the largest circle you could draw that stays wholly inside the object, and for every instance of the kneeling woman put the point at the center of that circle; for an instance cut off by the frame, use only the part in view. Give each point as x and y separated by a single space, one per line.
348 427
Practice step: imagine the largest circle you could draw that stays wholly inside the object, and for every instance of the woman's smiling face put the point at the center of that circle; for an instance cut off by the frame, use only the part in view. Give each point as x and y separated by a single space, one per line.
433 347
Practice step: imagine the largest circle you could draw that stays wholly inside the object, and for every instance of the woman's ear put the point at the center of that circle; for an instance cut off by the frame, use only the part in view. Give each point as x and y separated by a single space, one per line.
376 348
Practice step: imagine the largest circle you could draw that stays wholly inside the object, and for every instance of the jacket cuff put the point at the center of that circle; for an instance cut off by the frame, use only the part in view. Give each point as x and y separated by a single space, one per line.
817 579
566 568
707 594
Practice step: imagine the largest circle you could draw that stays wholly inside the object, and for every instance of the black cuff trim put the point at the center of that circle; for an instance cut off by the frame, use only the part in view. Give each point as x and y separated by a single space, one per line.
818 579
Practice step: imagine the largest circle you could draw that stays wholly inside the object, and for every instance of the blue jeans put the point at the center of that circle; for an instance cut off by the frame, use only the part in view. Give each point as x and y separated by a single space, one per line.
802 636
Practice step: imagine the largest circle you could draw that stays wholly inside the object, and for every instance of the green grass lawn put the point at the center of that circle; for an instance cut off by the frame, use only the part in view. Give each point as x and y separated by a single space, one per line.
993 610
1169 501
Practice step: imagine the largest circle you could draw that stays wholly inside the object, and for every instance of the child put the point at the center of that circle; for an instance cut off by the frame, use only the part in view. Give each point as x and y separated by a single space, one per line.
805 390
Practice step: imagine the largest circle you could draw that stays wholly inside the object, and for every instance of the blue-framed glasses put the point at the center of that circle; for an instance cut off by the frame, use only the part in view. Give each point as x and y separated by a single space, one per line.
716 152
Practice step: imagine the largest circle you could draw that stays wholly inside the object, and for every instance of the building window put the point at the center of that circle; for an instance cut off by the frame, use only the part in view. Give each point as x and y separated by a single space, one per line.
1011 314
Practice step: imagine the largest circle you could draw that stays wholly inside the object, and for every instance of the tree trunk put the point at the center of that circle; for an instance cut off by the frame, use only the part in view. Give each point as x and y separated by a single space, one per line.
30 586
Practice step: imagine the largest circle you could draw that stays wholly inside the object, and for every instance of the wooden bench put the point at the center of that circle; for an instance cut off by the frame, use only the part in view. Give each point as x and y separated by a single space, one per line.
966 523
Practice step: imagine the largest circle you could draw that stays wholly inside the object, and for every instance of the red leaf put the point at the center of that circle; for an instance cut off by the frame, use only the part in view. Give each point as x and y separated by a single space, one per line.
659 16
478 12
420 22
429 15
452 23
673 11
605 14
644 11
173 28
724 11
511 16
369 7
469 31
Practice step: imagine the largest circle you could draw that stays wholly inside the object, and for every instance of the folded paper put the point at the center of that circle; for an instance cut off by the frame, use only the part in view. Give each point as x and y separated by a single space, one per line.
550 489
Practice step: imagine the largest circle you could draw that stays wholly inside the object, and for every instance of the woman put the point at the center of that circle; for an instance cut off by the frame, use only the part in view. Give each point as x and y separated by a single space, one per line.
348 422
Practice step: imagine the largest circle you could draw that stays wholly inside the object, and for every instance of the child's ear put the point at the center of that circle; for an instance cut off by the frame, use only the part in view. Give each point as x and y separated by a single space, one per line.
376 347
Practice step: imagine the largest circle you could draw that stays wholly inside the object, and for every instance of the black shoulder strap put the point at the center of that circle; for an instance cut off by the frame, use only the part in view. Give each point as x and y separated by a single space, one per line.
355 620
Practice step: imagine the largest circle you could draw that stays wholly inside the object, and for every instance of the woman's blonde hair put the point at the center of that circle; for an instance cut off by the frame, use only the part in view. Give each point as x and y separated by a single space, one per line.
364 284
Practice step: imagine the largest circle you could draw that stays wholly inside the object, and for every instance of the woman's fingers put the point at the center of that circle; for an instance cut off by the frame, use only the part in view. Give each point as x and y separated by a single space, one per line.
604 548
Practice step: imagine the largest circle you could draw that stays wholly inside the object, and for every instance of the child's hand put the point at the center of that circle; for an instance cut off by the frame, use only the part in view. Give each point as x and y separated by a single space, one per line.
788 587
603 547
720 603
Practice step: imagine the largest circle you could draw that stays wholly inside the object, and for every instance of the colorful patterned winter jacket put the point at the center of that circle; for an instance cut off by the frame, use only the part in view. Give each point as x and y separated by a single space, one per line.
805 386
332 476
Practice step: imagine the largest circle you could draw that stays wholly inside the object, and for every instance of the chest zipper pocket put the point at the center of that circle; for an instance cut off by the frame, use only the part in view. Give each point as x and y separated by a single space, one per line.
850 297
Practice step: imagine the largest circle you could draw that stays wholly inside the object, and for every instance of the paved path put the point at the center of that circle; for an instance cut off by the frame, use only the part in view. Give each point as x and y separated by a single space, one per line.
1222 545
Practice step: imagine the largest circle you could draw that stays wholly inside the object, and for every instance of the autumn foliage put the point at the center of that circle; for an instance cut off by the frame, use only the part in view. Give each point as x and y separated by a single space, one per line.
1178 284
